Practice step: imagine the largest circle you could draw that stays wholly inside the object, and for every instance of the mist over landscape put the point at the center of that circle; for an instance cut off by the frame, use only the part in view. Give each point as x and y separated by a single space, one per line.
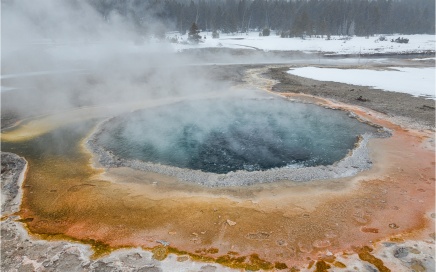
224 135
217 135
63 54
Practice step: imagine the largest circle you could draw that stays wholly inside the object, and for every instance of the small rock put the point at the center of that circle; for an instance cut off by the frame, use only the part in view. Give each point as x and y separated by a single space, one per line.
182 258
388 244
149 269
417 266
230 222
401 252
135 256
360 98
393 226
281 242
164 243
413 250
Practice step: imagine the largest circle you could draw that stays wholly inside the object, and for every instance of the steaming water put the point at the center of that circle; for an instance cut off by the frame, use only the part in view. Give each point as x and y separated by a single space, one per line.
226 135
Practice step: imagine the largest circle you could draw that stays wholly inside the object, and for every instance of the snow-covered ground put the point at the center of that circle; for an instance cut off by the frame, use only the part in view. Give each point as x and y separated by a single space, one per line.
336 45
414 81
53 56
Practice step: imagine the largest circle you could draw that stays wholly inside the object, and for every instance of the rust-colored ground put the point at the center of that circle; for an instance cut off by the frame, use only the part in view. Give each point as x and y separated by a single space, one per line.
273 225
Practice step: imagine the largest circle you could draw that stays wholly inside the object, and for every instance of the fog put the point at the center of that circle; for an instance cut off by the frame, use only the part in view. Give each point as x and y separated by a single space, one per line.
224 135
62 55
59 55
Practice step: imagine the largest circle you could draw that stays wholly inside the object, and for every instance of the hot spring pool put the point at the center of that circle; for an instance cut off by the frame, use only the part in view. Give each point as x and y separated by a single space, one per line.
224 135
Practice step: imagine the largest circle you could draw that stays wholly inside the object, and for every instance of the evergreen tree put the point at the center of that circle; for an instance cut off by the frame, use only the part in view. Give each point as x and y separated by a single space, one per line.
193 35
215 34
319 17
265 32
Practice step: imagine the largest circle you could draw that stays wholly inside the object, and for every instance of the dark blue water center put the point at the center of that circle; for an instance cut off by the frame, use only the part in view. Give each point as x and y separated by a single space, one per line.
226 135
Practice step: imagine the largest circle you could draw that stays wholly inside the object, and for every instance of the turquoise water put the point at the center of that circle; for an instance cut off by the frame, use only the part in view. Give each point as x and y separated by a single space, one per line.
226 135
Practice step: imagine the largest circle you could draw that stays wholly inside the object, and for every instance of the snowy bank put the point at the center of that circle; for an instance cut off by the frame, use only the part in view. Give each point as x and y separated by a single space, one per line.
414 81
335 46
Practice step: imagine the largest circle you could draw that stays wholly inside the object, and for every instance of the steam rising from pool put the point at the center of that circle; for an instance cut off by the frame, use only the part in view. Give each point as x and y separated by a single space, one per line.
225 135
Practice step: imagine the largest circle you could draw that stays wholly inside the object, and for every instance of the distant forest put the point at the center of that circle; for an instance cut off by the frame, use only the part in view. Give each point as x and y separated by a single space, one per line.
288 18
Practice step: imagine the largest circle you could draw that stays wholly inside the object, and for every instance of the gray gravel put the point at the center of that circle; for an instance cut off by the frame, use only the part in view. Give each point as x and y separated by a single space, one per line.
416 111
12 175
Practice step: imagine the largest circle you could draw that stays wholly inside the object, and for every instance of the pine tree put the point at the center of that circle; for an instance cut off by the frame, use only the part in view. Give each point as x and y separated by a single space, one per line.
329 17
193 35
215 34
265 32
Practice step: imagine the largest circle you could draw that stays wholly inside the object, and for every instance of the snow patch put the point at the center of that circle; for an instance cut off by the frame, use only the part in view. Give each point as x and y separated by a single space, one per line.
337 45
414 81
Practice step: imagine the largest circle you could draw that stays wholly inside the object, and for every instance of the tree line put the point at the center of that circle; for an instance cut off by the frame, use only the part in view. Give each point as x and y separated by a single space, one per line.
286 17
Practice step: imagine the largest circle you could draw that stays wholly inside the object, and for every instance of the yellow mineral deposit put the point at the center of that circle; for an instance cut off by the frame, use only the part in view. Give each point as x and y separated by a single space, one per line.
265 226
